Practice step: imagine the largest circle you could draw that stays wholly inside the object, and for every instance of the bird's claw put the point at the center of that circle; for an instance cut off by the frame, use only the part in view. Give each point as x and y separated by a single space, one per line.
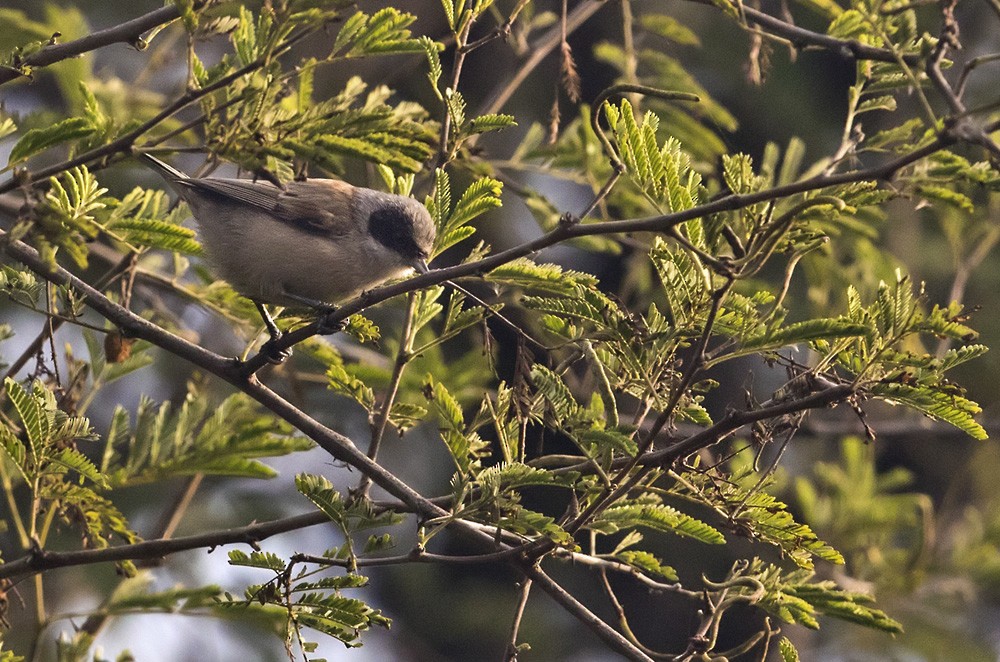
325 328
275 355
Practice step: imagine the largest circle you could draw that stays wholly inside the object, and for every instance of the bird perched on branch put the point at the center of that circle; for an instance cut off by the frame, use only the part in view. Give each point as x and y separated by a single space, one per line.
308 243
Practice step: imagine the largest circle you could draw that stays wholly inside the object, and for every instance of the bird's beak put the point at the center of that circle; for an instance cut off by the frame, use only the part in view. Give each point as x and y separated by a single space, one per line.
421 266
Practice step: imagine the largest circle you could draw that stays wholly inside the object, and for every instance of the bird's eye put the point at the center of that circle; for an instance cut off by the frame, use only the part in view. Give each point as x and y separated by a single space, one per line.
392 227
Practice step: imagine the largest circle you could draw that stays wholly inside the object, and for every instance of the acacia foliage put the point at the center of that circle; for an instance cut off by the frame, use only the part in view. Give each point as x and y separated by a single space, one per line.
613 381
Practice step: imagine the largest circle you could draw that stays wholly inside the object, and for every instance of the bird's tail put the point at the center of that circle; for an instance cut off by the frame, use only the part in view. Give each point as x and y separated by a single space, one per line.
168 172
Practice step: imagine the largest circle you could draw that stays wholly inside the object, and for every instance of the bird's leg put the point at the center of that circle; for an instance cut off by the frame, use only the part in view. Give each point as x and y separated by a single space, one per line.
269 350
323 308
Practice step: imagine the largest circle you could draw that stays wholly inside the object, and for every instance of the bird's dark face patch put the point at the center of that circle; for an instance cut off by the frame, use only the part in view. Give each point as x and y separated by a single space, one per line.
392 227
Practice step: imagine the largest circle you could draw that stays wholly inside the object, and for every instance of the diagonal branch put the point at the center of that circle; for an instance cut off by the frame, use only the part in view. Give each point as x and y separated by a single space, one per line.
129 32
124 143
337 445
539 51
605 632
734 420
572 229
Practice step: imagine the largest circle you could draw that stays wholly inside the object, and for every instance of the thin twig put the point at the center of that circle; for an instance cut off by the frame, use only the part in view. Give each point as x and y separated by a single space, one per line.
623 621
124 143
539 51
605 632
515 624
47 329
416 556
403 357
801 38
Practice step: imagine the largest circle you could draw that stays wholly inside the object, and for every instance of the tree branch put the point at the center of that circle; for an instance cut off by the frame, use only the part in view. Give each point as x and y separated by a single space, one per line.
515 624
734 420
800 37
41 560
605 632
539 50
570 230
124 143
129 32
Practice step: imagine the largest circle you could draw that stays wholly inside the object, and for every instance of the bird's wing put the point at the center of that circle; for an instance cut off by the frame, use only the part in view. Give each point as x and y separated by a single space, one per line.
255 194
319 205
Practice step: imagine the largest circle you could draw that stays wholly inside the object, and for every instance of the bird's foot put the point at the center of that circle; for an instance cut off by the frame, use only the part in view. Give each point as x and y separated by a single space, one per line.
325 327
274 354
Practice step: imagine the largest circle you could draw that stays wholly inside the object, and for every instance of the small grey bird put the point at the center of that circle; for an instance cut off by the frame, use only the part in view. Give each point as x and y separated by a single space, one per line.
310 243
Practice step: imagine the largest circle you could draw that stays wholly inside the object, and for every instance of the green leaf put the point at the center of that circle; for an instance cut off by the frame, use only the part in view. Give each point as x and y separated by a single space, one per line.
18 30
7 126
557 395
340 380
432 49
957 356
337 616
945 406
172 600
492 122
36 140
320 491
262 560
481 196
851 24
647 563
34 420
737 172
659 517
508 476
405 415
16 451
876 103
530 523
467 448
670 28
157 234
365 149
525 273
244 38
383 32
787 650
757 515
426 307
195 438
615 440
948 196
845 605
455 103
817 329
70 458
439 202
